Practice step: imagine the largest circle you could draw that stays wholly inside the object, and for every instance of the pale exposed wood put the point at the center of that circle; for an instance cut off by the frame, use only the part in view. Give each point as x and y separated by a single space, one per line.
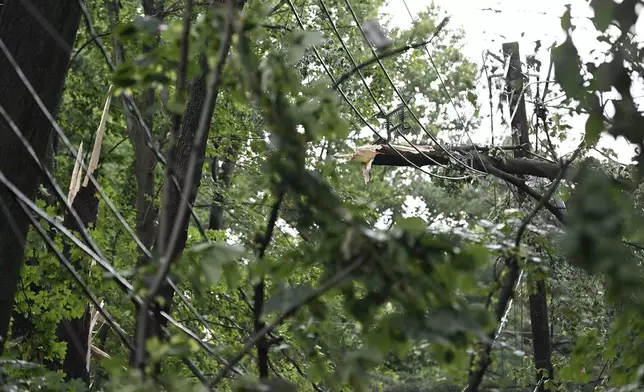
99 353
74 183
96 152
95 317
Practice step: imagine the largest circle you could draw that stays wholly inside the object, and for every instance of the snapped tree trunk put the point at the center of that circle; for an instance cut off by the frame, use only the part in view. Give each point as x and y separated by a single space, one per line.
44 63
75 332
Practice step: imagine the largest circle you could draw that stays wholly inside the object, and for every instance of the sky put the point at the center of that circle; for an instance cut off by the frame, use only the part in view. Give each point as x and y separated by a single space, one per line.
489 23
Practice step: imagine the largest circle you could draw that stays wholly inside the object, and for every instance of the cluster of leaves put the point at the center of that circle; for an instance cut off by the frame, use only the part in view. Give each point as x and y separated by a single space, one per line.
603 215
407 302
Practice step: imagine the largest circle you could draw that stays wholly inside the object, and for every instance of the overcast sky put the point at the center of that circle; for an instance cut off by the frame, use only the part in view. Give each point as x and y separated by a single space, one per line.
489 23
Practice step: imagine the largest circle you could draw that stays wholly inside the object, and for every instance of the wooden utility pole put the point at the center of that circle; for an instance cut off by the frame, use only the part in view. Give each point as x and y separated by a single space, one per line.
515 82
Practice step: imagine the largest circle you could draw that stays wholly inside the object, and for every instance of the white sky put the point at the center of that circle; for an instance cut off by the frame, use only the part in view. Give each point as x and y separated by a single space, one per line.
524 22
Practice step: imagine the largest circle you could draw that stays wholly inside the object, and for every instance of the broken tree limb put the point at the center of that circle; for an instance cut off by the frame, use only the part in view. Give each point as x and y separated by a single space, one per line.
407 156
75 182
384 155
521 185
98 140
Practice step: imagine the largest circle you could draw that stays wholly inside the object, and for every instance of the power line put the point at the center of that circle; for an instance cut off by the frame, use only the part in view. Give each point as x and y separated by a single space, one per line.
97 255
71 148
357 112
355 18
355 66
442 82
100 259
139 117
351 58
129 101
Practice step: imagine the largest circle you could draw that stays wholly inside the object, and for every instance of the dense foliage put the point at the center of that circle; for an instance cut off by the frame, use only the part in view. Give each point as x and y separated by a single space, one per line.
294 273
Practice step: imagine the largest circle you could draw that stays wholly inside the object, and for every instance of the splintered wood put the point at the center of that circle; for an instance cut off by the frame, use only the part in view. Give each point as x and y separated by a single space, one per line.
367 154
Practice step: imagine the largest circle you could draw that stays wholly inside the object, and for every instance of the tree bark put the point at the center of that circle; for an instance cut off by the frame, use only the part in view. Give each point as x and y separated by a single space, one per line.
514 92
144 165
75 332
44 63
144 157
262 344
541 334
520 136
431 156
186 145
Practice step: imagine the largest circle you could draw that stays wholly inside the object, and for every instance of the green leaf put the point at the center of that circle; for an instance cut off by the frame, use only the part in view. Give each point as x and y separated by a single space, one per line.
603 77
214 257
316 371
232 275
125 31
413 224
604 13
594 128
176 105
566 19
310 38
149 25
125 75
302 40
283 300
18 364
567 67
471 98
246 384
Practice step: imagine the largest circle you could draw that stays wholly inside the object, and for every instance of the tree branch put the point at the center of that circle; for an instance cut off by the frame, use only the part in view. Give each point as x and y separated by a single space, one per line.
262 241
189 152
407 156
391 53
337 278
510 277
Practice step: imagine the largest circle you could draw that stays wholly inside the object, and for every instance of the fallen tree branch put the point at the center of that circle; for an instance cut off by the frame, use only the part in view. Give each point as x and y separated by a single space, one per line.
407 156
521 185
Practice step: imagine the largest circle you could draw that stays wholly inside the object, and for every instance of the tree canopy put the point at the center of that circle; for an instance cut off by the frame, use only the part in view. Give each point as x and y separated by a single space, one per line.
242 195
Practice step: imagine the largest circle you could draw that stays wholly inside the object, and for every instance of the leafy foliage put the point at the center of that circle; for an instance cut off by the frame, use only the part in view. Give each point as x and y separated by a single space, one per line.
348 289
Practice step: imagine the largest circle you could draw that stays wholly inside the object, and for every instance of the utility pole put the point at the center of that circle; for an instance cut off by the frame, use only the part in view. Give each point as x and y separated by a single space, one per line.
515 82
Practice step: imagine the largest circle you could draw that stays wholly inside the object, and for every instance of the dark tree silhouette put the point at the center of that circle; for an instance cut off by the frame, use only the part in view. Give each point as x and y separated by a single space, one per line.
26 34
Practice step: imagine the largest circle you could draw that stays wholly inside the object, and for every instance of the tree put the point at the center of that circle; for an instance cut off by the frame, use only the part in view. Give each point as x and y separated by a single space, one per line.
44 64
311 274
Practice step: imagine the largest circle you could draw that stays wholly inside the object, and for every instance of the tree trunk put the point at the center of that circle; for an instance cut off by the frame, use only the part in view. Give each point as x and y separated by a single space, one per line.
144 164
520 136
181 158
541 335
144 157
514 91
44 63
75 332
